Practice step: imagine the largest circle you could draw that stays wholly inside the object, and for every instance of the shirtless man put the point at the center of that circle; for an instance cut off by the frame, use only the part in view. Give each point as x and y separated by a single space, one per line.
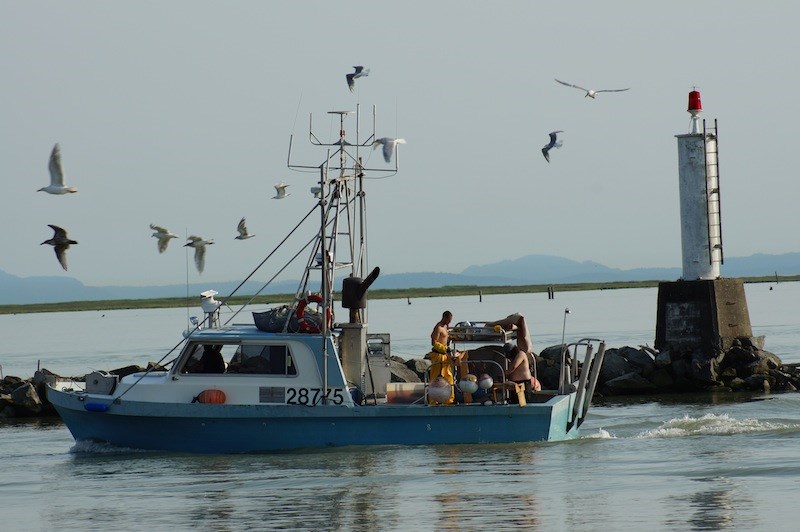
442 358
441 331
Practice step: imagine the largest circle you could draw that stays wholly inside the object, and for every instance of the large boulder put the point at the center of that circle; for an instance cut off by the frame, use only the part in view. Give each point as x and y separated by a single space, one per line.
628 384
639 359
25 397
401 373
614 365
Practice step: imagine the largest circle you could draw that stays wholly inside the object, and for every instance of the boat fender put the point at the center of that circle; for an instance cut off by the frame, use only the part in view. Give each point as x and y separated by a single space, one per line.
305 325
96 407
211 397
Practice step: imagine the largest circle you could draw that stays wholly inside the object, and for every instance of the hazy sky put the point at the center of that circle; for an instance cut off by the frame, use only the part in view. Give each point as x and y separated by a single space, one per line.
179 114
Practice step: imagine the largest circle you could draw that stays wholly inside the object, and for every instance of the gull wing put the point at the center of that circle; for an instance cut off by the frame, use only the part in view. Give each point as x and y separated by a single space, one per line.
200 258
58 232
613 90
56 170
350 83
388 150
61 254
571 85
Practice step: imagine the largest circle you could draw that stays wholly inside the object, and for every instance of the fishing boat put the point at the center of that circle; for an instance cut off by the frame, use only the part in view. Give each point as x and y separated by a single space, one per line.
296 376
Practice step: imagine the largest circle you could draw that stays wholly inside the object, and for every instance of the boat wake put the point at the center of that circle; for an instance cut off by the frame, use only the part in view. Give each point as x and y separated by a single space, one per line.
93 447
713 424
601 434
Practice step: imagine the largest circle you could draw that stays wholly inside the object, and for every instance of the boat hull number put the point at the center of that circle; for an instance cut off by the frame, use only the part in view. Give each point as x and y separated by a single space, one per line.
313 396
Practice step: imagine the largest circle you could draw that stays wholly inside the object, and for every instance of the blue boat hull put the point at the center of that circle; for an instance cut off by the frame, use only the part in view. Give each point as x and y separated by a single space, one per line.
209 428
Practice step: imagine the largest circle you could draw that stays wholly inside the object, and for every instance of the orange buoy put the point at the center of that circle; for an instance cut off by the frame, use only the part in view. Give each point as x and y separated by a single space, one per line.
212 397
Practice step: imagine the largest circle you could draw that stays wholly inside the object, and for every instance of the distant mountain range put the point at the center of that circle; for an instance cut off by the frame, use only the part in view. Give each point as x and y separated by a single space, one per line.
531 269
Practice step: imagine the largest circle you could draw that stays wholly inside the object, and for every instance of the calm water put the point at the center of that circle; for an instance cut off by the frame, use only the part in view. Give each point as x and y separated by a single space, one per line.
669 463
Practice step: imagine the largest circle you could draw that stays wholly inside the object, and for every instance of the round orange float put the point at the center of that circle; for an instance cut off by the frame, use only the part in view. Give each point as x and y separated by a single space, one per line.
212 397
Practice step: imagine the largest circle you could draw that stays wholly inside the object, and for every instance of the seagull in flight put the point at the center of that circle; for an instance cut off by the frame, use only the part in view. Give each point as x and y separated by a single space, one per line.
243 233
163 235
199 246
56 185
280 190
60 243
590 93
388 146
351 78
552 144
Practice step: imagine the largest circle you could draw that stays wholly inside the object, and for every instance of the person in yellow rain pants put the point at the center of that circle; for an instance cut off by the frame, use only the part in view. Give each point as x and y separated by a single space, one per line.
442 365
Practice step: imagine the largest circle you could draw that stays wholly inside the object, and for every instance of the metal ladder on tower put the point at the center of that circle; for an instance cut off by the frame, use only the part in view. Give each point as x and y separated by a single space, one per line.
714 202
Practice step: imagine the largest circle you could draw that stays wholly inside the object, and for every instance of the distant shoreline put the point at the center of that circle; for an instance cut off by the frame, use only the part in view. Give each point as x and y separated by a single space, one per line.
394 293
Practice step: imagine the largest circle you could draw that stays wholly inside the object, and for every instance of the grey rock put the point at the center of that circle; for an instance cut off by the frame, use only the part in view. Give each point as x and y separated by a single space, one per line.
628 384
418 365
614 365
400 373
25 396
639 359
663 359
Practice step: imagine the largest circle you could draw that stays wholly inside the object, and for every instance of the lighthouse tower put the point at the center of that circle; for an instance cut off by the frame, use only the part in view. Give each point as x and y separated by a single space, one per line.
701 311
698 174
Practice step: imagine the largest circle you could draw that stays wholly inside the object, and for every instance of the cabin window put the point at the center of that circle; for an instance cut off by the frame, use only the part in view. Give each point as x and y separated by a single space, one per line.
262 360
208 358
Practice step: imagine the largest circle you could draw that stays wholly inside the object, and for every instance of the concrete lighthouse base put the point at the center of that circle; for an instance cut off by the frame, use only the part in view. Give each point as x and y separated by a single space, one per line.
706 314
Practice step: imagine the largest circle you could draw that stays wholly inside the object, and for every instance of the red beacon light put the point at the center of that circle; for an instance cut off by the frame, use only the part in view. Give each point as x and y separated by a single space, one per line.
694 103
695 107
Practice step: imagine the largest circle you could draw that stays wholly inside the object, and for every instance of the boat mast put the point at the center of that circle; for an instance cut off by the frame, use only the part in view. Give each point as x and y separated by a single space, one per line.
342 240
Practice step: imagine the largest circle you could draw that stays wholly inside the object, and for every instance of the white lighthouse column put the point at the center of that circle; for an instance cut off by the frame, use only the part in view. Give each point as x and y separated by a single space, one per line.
698 246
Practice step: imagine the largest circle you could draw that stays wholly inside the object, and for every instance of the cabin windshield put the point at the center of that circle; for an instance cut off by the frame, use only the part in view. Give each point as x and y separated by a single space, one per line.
249 359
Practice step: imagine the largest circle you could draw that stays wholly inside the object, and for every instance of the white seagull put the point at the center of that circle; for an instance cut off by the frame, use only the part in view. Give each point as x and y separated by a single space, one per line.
280 190
360 71
243 233
56 185
60 243
590 93
388 146
199 246
163 235
552 144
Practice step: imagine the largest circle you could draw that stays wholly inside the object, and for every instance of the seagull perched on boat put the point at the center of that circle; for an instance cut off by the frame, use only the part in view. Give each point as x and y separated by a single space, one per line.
163 235
60 243
56 185
590 93
280 190
388 146
199 246
552 144
351 78
243 233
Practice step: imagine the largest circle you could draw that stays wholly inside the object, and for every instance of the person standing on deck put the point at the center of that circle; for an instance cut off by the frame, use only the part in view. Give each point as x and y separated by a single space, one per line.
443 359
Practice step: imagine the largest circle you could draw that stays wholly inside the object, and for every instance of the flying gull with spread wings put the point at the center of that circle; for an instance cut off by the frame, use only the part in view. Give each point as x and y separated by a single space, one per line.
554 143
351 78
590 93
60 243
280 190
388 146
199 246
163 235
56 185
244 234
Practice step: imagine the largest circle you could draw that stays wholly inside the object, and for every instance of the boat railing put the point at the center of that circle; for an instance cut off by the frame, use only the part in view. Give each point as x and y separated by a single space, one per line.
583 379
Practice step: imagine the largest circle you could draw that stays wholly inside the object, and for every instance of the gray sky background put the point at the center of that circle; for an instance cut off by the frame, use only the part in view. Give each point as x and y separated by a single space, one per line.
179 114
